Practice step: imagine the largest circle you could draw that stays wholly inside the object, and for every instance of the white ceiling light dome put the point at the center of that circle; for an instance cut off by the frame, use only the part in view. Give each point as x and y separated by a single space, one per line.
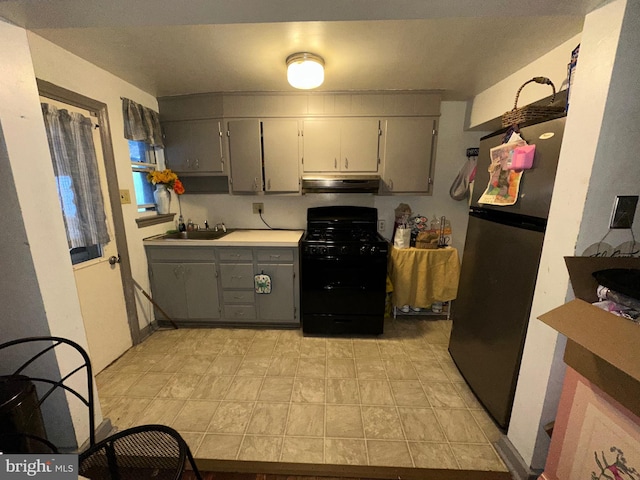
305 70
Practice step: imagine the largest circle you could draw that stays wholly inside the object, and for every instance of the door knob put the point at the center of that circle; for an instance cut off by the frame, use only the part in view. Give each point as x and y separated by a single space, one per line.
113 259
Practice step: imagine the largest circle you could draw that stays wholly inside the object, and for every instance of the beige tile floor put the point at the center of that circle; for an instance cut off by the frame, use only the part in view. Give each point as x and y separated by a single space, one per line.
274 395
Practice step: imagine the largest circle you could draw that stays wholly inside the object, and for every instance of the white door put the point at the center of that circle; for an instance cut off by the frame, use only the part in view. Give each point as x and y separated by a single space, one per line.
98 280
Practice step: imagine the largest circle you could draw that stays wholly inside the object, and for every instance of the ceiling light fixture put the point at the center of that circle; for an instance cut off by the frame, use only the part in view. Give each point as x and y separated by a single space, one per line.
305 70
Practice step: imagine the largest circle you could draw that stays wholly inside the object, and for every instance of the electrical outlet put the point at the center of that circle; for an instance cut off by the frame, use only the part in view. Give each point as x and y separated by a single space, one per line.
381 225
125 197
624 209
258 208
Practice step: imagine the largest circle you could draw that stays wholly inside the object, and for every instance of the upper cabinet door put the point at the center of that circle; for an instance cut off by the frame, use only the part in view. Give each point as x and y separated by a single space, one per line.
245 156
280 140
359 145
321 140
409 154
341 145
193 146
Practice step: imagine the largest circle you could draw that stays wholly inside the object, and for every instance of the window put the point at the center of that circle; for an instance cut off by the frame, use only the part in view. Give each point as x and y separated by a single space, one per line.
143 160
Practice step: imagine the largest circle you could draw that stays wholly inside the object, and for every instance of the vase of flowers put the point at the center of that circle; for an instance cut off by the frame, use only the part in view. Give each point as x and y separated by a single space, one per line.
164 181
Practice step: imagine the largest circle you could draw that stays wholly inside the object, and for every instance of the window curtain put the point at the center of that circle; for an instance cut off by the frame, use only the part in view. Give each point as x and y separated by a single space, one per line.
141 123
76 168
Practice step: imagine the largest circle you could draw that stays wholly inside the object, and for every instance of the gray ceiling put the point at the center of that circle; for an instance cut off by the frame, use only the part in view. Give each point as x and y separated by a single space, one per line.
170 47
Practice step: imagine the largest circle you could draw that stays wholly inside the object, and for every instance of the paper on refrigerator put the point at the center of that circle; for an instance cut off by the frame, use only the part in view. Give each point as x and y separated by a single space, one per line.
504 184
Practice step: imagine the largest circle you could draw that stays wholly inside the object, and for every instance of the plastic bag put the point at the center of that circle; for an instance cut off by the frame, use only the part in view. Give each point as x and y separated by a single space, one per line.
402 237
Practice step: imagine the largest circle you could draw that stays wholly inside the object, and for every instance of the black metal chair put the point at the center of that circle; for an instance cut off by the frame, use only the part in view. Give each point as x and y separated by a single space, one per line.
147 451
32 436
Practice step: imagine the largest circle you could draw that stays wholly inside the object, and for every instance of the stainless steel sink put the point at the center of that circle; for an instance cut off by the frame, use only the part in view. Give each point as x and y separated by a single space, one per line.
194 235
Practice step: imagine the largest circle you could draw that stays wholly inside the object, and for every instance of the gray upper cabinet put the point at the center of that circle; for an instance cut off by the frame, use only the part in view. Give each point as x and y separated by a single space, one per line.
245 156
341 145
408 145
194 146
264 155
281 142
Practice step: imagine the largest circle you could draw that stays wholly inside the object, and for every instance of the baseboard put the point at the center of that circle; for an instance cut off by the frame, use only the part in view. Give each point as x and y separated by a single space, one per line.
286 470
148 330
102 431
514 462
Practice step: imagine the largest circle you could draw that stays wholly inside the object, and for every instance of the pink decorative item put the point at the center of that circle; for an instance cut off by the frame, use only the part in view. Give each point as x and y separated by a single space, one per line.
523 157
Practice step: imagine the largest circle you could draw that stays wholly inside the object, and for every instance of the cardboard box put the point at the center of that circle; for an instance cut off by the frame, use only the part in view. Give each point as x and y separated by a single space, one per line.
614 339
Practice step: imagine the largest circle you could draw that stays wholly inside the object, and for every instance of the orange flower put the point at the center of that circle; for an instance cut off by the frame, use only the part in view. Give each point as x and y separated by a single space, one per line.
178 187
168 178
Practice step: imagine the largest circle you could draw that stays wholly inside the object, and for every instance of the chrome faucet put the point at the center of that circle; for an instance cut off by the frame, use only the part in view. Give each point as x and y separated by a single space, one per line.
220 226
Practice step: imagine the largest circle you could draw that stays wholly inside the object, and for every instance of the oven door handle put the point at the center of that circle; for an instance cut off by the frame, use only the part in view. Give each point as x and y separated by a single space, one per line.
338 286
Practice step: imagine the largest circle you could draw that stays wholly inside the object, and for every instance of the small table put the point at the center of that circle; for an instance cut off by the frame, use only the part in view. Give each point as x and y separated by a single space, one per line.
421 277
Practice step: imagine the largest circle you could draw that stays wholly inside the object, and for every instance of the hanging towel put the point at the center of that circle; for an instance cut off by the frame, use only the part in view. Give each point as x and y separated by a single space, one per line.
460 187
262 283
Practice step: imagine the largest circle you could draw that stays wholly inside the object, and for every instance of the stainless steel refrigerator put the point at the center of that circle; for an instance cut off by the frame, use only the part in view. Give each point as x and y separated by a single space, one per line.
499 270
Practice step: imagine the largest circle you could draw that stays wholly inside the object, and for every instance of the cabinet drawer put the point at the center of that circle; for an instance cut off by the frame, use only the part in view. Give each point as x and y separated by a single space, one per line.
180 254
238 296
240 312
235 254
237 276
275 255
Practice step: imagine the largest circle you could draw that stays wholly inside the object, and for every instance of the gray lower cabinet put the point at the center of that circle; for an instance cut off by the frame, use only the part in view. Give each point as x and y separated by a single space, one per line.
236 279
278 305
185 284
216 284
241 303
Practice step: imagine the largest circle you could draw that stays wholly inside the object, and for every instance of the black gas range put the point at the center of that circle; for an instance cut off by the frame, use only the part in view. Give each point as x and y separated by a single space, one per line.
343 272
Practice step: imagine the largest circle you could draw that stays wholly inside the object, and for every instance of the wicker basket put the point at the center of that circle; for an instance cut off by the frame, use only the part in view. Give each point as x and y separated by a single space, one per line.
426 240
531 112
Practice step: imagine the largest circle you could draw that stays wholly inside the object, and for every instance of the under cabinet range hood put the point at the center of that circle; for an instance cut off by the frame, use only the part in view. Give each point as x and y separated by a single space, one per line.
340 184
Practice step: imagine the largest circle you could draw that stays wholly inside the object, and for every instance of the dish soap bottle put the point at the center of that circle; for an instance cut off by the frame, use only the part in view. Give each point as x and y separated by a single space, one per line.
181 226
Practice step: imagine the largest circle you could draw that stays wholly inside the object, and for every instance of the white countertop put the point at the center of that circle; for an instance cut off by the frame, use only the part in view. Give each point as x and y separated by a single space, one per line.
238 238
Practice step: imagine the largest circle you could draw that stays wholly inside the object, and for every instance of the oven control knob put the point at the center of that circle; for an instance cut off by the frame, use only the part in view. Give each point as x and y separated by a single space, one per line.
364 250
344 249
312 250
374 250
322 250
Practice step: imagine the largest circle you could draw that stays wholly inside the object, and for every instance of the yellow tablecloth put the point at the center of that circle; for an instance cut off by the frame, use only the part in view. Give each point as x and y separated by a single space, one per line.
423 276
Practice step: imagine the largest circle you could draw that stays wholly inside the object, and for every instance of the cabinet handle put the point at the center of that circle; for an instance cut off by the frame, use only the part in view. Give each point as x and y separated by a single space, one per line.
335 163
269 184
274 256
197 164
255 183
346 163
390 184
236 276
188 163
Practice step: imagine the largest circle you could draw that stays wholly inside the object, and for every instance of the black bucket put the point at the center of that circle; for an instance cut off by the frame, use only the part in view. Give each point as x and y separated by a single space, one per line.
21 425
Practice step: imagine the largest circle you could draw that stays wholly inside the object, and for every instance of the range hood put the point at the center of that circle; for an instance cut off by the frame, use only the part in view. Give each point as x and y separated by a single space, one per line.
340 184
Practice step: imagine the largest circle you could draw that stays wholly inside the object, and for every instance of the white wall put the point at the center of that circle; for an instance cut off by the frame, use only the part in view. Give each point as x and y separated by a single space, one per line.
60 67
580 208
37 290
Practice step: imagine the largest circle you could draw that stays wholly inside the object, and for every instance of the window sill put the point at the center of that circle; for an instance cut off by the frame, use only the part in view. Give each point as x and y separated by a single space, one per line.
154 220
